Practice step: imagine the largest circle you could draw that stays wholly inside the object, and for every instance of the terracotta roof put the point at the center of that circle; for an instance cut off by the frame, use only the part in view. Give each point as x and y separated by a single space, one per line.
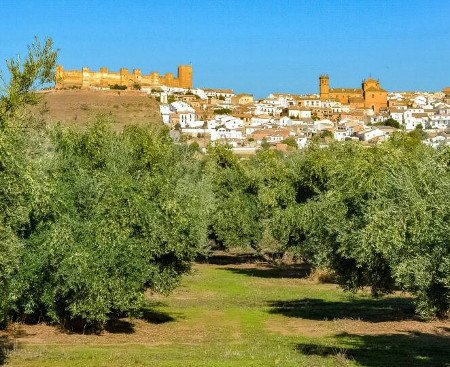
227 91
315 98
420 114
396 110
387 128
374 89
346 90
298 108
271 132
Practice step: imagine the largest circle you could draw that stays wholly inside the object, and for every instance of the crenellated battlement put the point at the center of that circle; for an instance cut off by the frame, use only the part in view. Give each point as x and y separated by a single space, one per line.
86 78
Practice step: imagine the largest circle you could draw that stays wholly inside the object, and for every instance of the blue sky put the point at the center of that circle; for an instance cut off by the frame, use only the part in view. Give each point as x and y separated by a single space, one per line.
250 46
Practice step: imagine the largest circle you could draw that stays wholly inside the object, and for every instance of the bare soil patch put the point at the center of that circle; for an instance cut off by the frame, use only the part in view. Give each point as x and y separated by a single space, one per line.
79 106
315 328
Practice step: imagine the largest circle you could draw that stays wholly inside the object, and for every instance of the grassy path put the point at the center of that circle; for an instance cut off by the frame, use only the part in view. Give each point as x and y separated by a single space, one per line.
247 315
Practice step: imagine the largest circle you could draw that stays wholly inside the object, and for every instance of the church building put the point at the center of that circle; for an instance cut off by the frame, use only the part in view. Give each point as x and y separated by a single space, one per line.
371 95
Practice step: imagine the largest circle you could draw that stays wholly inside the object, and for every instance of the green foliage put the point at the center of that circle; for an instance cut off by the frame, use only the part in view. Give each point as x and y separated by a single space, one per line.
90 219
326 134
290 141
194 147
418 133
265 144
378 217
37 69
235 219
136 86
21 142
389 122
16 188
118 87
222 111
128 212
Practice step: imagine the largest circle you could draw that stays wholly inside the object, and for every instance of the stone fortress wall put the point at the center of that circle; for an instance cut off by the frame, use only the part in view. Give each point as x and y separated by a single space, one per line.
86 78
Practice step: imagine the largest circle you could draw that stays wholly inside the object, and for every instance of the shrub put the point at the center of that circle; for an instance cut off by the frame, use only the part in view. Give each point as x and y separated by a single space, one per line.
390 122
118 87
222 111
290 141
323 276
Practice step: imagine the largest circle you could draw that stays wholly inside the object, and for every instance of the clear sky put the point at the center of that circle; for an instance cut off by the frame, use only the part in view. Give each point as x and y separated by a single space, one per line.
251 46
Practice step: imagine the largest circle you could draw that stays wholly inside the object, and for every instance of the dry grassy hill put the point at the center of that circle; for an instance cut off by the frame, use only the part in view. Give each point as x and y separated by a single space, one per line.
77 107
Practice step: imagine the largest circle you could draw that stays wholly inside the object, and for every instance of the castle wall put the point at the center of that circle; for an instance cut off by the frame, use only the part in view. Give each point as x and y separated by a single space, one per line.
72 78
103 78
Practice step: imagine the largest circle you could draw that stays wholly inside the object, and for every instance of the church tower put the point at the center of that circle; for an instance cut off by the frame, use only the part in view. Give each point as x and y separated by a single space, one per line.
324 85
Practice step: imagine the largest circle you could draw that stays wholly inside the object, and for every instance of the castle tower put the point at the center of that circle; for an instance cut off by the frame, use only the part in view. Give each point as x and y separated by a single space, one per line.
86 78
124 75
185 76
59 77
137 76
104 71
324 84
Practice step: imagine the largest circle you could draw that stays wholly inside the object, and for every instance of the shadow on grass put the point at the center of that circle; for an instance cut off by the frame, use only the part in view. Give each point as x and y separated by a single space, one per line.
119 326
413 349
371 310
125 326
223 258
120 323
156 317
6 345
276 271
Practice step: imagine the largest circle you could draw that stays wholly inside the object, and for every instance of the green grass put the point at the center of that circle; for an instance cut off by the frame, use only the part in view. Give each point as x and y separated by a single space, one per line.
241 316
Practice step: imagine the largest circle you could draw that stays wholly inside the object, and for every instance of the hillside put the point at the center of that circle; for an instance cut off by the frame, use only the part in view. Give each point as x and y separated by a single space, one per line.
77 107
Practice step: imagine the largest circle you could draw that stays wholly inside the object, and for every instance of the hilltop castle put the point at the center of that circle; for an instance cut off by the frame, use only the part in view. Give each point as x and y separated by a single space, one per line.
371 95
85 78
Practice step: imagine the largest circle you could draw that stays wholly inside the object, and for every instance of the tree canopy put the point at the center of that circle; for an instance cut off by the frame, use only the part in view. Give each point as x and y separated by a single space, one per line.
90 219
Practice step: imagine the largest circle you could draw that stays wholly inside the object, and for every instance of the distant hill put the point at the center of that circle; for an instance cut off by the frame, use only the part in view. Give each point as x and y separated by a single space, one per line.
78 106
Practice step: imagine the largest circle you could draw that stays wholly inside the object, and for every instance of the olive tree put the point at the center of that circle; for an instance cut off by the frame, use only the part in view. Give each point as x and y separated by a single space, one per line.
20 144
379 217
235 218
128 212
